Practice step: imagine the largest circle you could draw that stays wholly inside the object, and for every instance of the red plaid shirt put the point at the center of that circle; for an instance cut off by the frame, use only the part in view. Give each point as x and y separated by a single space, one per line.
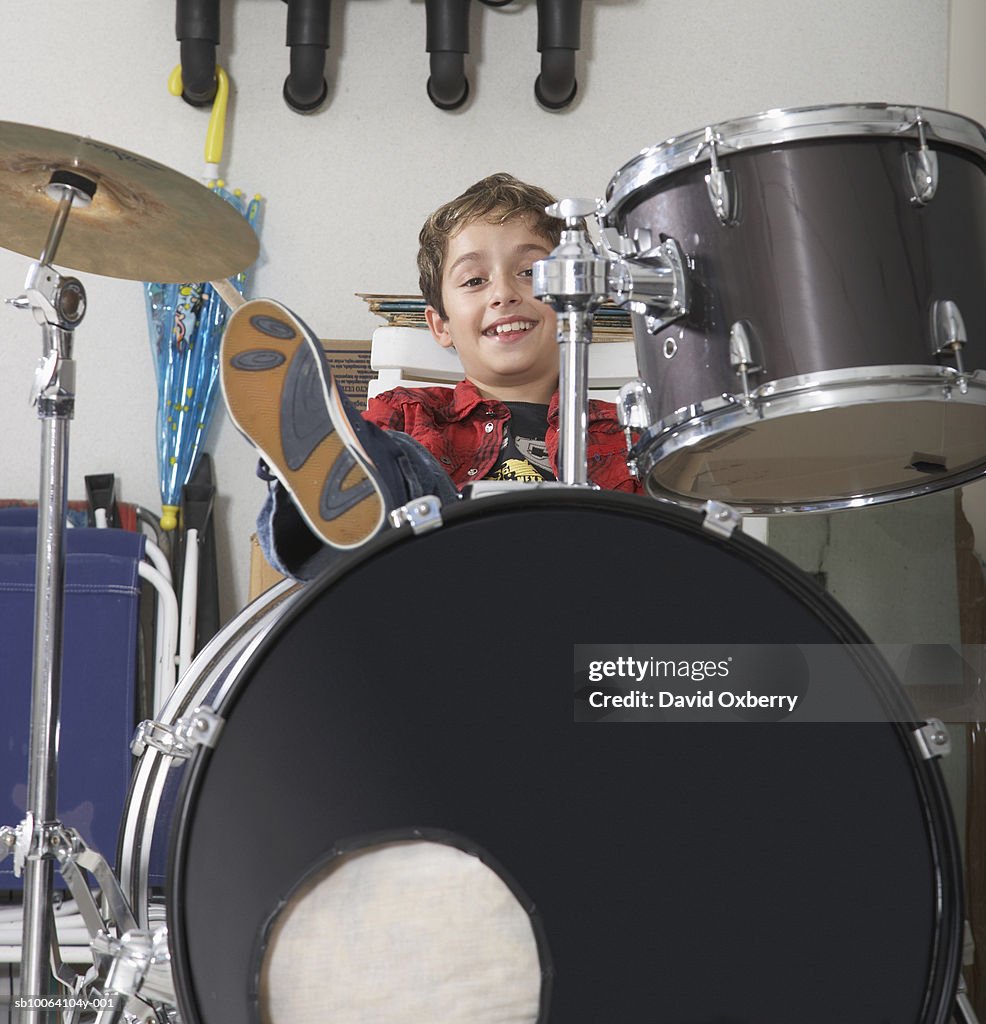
464 432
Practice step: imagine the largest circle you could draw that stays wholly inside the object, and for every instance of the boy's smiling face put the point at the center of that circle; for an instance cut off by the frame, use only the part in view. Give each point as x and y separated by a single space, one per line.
504 337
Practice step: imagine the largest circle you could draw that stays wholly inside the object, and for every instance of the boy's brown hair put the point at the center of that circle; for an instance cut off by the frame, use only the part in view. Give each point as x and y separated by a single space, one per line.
497 199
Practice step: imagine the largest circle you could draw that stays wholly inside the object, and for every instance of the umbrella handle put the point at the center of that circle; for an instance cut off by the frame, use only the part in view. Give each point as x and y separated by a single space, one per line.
216 132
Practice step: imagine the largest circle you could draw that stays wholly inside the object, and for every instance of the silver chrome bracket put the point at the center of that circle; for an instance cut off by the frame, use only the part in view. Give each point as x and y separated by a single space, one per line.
932 739
494 488
656 289
720 519
948 333
921 166
573 275
721 185
8 841
201 728
53 299
127 961
633 410
743 358
422 514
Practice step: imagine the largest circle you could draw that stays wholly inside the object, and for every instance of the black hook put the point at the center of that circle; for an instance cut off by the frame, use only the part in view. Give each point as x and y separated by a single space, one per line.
447 41
559 23
197 31
305 88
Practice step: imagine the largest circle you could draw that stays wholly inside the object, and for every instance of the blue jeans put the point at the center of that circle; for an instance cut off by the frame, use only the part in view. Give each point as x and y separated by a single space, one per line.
290 546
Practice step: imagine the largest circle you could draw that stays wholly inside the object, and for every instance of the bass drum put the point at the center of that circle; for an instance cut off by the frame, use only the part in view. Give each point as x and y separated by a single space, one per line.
834 351
419 698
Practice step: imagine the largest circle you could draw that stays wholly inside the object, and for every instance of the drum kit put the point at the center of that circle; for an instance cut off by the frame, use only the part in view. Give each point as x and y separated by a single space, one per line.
806 289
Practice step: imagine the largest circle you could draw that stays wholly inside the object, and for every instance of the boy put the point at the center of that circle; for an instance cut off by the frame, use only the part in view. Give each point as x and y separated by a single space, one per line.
334 475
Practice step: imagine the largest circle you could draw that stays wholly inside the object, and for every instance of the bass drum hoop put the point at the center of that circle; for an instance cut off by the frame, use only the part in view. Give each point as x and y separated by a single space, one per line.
215 666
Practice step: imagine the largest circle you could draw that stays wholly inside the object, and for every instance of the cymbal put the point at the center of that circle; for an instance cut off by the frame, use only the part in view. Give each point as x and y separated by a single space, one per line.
146 222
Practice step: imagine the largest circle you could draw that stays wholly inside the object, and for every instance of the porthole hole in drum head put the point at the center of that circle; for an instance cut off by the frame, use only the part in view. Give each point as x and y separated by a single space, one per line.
763 872
404 931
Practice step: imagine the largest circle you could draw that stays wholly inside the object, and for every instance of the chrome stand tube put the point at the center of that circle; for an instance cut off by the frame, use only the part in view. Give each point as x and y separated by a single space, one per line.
572 281
58 305
42 783
574 336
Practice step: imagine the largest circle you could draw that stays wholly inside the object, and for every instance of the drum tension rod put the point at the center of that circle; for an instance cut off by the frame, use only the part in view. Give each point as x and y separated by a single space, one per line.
948 335
742 358
921 165
721 185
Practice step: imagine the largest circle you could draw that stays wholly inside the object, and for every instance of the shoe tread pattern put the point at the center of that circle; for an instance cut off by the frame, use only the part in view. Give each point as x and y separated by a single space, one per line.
277 398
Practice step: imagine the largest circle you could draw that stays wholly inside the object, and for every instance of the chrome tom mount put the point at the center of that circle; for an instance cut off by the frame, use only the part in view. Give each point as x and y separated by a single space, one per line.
575 279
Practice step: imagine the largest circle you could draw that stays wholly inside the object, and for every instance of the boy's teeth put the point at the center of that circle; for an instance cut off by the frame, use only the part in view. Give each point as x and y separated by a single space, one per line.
517 325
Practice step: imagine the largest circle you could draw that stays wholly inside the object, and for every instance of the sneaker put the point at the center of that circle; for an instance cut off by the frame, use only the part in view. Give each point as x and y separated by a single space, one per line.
282 397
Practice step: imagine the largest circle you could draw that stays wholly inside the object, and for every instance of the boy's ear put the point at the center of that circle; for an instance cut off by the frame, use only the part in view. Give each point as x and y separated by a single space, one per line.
438 327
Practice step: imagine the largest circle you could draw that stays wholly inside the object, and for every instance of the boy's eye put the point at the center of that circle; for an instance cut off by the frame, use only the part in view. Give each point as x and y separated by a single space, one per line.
472 282
529 272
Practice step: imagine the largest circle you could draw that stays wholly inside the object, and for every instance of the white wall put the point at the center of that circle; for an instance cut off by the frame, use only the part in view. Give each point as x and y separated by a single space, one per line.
347 188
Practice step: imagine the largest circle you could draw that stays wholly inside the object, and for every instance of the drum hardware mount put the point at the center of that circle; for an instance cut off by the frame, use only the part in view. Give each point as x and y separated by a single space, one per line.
630 283
657 291
128 962
720 519
921 165
721 185
121 961
201 728
742 358
422 515
948 335
496 488
574 280
932 739
633 410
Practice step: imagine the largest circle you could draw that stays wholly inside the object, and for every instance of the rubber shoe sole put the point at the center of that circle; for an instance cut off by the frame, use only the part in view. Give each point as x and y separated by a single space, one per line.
281 396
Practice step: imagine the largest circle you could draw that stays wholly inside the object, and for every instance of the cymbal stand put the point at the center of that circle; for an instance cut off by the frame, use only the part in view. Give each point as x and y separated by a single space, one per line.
58 304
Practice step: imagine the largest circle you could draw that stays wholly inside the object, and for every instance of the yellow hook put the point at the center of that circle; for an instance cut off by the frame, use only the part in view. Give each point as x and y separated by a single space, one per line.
215 133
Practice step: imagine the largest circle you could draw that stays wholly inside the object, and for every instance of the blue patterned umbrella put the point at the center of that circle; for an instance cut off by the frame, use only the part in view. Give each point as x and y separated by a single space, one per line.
186 322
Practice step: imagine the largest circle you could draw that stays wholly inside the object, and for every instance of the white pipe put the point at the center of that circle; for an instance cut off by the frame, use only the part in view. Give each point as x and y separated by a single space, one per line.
162 655
158 558
164 674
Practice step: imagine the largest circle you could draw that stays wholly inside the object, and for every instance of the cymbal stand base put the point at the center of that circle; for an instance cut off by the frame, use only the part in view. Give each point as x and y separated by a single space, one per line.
127 961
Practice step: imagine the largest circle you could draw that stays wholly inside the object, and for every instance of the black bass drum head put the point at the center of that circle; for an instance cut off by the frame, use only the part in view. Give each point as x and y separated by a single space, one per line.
748 873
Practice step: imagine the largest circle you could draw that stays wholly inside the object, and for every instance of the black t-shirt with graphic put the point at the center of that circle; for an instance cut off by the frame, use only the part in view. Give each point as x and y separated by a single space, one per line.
523 455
